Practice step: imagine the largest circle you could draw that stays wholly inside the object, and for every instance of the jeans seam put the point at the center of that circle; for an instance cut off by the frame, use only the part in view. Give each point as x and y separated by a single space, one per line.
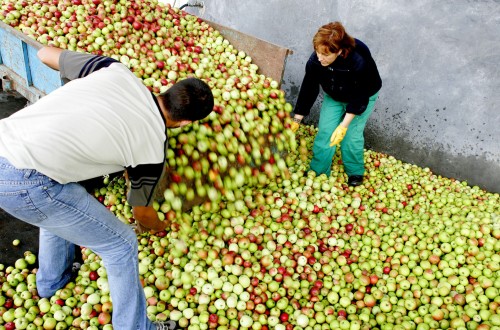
24 183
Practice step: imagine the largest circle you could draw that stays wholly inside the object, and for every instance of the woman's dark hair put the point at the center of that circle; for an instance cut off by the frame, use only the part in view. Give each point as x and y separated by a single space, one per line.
188 99
334 37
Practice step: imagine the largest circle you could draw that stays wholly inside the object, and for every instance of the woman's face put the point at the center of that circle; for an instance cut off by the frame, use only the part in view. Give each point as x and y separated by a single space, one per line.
326 57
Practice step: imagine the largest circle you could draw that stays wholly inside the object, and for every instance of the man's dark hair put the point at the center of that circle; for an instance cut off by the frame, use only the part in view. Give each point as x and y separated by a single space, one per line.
189 99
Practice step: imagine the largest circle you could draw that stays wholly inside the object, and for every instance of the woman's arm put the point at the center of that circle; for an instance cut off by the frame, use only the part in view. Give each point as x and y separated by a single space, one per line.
347 119
50 56
308 93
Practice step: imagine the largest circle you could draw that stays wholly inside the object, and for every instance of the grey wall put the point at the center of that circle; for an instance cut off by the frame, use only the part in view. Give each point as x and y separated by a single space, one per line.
439 61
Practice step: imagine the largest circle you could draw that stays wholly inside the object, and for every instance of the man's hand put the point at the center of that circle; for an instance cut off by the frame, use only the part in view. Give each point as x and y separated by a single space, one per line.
140 229
338 135
148 220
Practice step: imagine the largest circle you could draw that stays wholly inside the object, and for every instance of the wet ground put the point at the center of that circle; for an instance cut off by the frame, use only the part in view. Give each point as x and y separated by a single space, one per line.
11 228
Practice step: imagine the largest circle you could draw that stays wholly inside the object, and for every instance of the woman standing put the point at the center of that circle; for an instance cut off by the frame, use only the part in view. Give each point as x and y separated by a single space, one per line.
348 75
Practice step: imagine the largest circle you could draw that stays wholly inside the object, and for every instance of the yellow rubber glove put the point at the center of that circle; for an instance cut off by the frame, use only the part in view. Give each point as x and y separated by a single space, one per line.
294 126
338 135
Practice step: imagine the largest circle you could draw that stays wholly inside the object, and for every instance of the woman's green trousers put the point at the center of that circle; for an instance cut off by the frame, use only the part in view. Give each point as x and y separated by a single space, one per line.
352 146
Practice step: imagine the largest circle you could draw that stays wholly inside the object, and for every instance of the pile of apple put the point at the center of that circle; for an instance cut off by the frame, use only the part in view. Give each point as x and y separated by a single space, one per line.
408 249
244 137
257 242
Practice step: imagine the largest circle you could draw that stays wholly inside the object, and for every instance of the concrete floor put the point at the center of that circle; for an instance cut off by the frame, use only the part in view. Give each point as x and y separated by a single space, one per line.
10 227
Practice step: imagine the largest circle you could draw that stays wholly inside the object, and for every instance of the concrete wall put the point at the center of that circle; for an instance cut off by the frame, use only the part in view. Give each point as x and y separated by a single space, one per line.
439 61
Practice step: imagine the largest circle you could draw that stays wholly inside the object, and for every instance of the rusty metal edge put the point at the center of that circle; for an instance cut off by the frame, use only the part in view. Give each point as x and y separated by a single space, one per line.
269 57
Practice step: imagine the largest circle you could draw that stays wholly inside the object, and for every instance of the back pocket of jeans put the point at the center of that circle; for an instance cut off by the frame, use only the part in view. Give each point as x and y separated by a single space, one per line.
19 204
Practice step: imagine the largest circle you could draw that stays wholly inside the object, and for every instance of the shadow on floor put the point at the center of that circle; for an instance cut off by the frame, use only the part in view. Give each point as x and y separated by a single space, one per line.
10 227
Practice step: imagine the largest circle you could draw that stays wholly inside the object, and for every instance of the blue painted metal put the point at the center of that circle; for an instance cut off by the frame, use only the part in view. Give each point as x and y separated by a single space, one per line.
43 78
20 64
12 53
29 80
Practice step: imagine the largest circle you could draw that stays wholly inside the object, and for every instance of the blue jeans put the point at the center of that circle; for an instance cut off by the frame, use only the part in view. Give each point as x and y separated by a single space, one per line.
67 216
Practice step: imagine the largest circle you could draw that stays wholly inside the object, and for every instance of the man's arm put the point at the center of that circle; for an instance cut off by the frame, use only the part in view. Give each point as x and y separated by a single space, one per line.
147 217
73 65
50 56
139 193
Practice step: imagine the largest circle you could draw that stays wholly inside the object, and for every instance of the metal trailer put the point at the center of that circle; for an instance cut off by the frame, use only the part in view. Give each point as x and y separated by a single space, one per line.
23 72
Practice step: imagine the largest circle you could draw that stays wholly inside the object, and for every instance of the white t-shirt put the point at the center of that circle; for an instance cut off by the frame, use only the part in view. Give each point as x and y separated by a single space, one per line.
102 121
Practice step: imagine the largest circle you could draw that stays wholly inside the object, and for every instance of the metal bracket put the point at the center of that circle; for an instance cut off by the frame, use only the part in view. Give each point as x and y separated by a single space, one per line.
195 3
6 84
